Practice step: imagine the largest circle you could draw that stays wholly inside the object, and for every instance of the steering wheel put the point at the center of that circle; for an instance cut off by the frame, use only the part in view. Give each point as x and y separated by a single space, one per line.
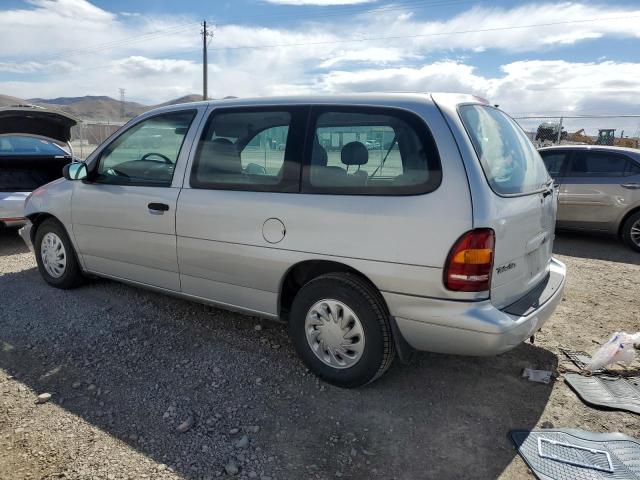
165 159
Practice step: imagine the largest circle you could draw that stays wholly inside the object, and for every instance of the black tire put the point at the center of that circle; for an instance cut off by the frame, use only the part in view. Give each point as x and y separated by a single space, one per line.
369 307
626 231
72 275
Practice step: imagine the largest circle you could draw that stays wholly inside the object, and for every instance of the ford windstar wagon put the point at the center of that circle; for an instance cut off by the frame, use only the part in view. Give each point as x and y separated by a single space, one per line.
374 225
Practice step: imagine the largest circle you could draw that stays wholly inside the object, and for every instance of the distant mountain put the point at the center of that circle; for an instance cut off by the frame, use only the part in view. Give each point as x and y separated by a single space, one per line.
8 101
194 97
94 107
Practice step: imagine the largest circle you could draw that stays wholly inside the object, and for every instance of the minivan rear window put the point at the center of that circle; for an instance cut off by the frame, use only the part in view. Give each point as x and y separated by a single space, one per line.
510 162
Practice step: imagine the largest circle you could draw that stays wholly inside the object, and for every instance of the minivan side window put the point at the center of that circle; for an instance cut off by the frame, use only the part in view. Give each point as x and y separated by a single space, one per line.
597 164
246 149
369 151
146 153
509 160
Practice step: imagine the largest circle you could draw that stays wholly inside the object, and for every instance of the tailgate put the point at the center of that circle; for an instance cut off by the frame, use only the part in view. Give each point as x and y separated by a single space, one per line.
521 201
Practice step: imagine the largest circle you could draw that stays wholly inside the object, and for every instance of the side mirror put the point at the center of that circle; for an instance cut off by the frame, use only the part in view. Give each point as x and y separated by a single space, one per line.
75 171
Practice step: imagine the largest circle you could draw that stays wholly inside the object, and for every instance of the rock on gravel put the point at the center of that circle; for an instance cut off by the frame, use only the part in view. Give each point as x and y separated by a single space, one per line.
243 442
231 468
186 425
43 398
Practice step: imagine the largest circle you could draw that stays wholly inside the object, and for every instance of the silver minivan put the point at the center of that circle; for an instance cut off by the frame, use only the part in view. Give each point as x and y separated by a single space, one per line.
374 225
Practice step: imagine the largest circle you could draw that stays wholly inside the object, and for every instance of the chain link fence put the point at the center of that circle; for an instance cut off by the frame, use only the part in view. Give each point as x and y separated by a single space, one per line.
88 134
614 130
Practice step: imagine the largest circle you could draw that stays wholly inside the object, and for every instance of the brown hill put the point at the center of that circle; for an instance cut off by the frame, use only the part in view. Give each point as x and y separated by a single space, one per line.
194 97
93 107
9 101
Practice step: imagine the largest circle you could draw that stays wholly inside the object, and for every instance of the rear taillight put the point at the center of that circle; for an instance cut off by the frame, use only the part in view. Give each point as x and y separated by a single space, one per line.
470 262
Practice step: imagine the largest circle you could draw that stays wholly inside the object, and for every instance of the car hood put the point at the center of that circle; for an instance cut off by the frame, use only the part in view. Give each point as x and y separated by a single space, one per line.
36 121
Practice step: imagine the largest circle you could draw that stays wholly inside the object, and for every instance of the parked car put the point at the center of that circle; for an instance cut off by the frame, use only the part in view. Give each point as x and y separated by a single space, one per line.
599 189
31 155
372 144
446 249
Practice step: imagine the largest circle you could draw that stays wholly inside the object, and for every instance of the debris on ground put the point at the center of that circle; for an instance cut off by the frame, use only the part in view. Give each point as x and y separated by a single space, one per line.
619 348
539 376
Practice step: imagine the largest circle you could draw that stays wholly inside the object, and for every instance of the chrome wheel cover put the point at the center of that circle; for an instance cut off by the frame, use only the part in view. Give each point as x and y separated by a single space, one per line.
334 333
635 233
53 254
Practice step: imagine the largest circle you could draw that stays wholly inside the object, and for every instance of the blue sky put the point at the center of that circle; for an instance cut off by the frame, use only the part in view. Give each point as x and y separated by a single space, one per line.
583 57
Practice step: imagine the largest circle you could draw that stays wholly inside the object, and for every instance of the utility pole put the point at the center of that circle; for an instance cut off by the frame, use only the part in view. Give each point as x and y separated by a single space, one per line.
205 38
121 102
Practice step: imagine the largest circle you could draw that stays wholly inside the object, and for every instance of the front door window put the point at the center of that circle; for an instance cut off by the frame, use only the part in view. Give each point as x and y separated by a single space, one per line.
147 153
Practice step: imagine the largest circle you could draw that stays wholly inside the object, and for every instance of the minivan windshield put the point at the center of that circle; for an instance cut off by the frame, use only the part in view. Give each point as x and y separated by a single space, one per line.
510 162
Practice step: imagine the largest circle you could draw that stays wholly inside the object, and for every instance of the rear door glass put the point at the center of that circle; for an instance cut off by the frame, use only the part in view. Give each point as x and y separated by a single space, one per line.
597 164
250 148
510 162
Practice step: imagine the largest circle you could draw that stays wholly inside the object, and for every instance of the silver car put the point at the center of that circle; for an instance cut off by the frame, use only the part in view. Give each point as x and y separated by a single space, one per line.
32 153
439 241
599 189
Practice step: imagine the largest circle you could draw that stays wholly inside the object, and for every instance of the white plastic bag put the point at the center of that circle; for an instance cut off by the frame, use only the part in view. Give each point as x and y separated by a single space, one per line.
619 348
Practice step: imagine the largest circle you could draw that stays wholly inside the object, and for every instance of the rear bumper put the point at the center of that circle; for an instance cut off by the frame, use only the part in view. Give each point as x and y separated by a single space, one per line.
12 208
471 328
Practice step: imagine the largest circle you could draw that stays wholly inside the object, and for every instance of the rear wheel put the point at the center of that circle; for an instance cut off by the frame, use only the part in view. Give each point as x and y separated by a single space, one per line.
340 328
55 256
631 231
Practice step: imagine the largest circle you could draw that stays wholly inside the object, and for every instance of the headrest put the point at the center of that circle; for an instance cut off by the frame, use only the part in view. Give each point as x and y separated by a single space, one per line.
354 153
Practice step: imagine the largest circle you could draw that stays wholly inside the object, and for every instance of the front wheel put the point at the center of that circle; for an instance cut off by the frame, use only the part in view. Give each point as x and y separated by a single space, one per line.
631 231
55 256
340 328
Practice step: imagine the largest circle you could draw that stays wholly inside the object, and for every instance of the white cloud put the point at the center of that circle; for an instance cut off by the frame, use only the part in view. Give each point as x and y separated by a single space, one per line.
322 3
323 58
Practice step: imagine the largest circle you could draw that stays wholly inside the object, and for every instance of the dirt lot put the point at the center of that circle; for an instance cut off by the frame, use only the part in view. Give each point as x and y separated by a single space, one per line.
127 367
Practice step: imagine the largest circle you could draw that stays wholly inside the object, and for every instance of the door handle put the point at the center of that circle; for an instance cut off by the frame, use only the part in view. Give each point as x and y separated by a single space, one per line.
631 186
158 207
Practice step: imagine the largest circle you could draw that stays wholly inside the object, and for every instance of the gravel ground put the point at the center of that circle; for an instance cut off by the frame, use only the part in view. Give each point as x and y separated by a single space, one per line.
148 386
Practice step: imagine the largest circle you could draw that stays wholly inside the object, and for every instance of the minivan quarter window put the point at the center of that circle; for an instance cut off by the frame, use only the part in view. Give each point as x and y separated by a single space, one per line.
146 153
510 162
369 151
255 149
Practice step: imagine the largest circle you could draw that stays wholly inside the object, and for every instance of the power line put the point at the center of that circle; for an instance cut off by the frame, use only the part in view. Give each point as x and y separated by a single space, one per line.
121 42
96 48
370 39
354 10
424 35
